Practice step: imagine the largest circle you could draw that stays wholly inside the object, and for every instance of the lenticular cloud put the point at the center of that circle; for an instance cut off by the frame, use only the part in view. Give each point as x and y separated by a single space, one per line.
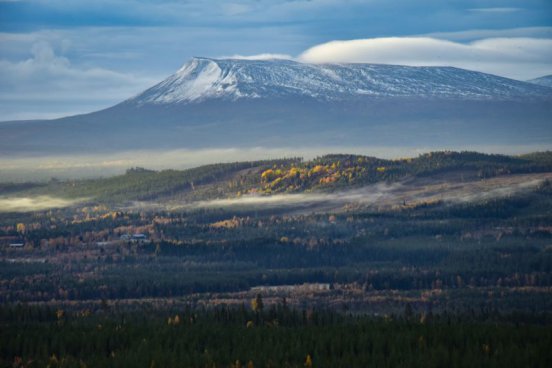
500 56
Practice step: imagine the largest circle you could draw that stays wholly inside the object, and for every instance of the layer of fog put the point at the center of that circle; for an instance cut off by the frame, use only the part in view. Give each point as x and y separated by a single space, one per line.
18 169
378 196
34 203
382 196
370 194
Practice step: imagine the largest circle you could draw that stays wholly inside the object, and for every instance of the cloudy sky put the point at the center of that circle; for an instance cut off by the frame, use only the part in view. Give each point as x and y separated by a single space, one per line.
61 57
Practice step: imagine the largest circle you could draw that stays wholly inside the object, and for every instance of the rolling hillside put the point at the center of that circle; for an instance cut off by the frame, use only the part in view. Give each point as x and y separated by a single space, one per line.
326 174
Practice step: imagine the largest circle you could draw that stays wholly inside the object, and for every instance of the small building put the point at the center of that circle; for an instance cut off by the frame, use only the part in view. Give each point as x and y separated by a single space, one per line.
19 243
125 237
10 241
135 238
139 238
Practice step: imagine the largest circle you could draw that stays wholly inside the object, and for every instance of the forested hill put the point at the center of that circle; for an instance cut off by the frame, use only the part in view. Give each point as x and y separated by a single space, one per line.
294 175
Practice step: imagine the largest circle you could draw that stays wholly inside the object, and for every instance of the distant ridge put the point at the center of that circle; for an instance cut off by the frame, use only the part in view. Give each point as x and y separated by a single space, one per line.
545 81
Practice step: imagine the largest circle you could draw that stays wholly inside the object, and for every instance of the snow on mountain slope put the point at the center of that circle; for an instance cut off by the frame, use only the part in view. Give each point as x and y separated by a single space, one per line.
545 81
232 79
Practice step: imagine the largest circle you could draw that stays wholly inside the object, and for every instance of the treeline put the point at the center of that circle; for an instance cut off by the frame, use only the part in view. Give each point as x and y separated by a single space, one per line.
143 184
269 337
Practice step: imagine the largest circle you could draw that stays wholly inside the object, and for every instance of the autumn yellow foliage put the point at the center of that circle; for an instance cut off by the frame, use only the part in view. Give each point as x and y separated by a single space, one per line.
226 224
318 169
267 175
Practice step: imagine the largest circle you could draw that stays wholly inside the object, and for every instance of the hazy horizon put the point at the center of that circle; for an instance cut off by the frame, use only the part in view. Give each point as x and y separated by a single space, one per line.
43 168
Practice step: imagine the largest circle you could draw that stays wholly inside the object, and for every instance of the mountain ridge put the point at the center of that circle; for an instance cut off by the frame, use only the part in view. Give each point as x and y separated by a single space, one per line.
234 103
545 81
206 78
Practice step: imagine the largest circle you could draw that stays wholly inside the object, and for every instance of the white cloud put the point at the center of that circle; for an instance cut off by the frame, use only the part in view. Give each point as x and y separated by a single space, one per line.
46 78
518 58
63 79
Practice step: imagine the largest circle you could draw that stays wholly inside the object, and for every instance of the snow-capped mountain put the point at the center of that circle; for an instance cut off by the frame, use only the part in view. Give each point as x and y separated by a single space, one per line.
203 78
232 103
